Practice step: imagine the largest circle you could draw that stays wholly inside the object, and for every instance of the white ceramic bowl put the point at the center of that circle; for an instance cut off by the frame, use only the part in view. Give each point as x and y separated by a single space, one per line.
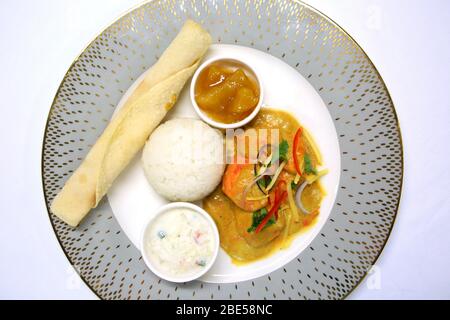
164 209
204 116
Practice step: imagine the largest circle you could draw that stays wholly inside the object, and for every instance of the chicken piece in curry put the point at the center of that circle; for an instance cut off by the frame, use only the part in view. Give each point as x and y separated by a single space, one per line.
262 204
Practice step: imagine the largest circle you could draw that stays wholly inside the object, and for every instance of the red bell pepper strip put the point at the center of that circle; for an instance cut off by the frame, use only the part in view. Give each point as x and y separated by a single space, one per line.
274 202
278 192
294 150
274 209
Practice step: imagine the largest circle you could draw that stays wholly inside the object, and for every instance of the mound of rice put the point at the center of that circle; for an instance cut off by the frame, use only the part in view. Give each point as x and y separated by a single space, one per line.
183 159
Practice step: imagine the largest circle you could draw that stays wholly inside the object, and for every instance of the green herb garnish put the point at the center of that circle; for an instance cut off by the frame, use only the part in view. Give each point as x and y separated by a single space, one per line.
308 165
258 217
293 185
282 151
262 183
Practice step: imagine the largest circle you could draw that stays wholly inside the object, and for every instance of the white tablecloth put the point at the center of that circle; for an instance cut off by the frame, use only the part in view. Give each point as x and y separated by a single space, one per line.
407 40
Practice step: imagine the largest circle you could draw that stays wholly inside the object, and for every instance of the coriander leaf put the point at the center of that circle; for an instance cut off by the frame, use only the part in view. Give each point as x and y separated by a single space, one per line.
281 152
283 149
262 183
308 165
293 185
258 217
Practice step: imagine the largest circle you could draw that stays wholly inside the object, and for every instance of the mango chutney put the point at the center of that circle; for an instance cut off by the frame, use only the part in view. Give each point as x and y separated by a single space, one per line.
227 91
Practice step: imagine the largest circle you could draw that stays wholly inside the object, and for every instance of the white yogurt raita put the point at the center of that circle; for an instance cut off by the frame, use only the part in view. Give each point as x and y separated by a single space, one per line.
179 243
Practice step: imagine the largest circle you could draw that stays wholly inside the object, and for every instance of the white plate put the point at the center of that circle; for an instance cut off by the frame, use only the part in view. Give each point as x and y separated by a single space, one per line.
133 200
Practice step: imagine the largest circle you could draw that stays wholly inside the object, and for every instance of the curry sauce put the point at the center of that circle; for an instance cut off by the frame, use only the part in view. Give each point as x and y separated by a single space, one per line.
233 214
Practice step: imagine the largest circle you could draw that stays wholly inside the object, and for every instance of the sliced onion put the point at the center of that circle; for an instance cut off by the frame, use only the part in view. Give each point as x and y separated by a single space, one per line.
262 172
263 167
268 172
260 151
298 197
275 177
247 188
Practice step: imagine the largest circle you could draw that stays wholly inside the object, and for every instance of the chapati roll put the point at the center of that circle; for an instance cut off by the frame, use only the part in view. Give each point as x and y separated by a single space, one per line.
129 129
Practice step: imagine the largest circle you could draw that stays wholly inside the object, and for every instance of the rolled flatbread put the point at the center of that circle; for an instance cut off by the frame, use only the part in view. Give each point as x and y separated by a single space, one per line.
127 132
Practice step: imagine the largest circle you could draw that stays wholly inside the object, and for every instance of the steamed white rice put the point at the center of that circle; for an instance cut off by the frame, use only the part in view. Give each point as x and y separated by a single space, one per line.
183 159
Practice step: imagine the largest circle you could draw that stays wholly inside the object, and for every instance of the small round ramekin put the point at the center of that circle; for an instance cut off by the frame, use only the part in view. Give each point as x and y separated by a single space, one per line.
204 116
161 211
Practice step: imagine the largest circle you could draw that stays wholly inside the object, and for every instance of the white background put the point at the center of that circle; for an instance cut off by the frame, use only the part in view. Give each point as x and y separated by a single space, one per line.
409 42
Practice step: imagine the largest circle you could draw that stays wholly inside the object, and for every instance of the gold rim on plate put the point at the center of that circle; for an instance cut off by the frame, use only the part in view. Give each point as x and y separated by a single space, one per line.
272 6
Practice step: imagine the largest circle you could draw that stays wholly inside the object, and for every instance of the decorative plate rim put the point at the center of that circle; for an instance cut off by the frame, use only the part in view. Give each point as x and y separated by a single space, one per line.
309 7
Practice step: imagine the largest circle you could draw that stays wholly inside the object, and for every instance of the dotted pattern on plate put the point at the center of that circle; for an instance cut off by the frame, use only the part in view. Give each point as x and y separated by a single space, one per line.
362 110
